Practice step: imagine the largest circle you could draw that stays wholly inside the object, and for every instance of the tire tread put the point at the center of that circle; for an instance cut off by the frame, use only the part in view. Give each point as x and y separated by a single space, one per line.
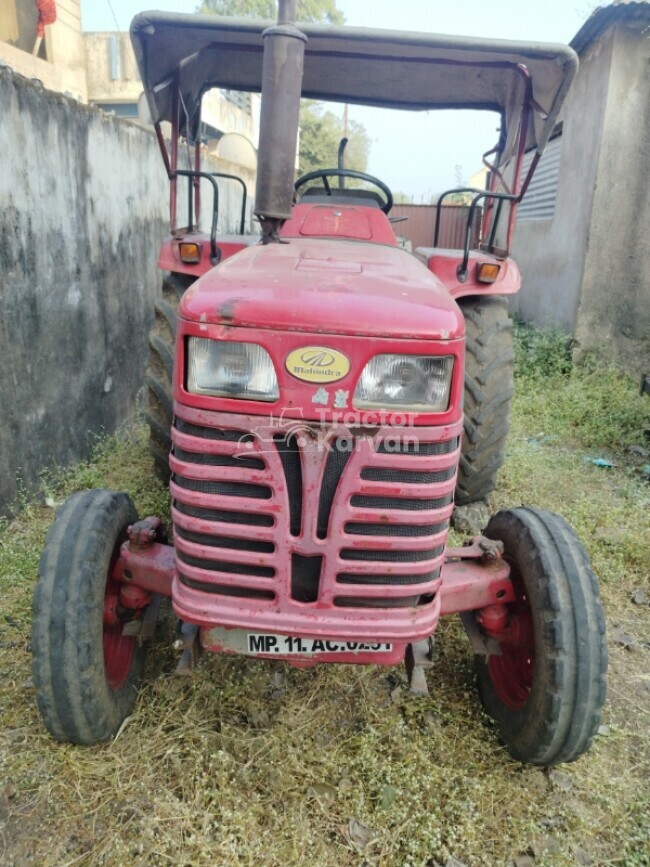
560 725
75 701
160 370
489 387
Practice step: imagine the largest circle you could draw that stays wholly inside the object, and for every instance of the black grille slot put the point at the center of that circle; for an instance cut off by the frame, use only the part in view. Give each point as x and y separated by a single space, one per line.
289 452
226 517
406 477
361 602
390 556
226 542
219 460
305 577
386 580
337 460
213 433
224 566
227 489
226 589
401 503
402 530
396 447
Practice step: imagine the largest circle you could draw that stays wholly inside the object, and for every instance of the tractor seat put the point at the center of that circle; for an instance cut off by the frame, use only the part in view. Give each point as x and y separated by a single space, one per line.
343 196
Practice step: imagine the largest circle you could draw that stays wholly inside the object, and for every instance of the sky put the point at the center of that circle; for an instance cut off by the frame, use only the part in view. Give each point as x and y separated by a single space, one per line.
416 153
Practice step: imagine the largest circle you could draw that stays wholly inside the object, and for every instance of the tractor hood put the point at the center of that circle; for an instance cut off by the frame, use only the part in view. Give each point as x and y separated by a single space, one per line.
326 287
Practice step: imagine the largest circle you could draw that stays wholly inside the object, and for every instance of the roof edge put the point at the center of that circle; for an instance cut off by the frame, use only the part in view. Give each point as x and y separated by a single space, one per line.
619 12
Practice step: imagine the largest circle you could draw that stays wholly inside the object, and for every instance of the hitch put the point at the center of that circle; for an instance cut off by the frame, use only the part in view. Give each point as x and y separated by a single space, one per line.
419 656
188 643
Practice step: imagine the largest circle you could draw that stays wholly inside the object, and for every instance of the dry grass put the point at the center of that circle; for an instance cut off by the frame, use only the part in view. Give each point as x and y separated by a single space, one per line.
252 763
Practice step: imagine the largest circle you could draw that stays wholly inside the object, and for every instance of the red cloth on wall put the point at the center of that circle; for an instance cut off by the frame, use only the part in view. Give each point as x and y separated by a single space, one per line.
46 15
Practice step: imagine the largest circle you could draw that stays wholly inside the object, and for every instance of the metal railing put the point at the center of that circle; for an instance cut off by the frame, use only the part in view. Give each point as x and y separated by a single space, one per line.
215 253
463 268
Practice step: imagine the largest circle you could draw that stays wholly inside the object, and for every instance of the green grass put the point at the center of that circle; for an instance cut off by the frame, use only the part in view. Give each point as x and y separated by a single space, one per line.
592 406
251 763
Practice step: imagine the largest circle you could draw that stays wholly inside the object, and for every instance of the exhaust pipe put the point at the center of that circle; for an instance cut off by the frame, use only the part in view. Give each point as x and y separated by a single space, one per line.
284 52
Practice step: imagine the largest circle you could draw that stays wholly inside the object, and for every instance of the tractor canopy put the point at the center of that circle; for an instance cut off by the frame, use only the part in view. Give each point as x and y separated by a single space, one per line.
525 82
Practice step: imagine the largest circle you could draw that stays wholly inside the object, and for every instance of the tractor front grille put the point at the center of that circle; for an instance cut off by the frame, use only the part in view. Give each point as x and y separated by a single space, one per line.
315 520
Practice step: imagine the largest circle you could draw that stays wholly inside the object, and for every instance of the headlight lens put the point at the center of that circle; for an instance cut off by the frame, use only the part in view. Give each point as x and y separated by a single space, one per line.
226 369
415 383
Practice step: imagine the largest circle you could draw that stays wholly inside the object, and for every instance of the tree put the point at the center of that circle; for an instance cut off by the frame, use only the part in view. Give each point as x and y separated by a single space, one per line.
320 133
320 130
315 11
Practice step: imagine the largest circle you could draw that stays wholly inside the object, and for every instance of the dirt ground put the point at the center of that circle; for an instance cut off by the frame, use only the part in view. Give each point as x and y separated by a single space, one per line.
251 763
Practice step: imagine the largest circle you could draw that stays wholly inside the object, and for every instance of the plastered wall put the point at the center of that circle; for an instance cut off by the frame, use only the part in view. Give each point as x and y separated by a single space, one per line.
83 210
588 268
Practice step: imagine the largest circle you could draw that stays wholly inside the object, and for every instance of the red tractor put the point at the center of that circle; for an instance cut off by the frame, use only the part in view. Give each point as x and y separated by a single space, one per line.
319 397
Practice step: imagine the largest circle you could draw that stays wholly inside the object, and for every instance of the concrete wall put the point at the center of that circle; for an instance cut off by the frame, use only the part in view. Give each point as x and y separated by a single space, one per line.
588 268
82 213
614 313
127 87
551 253
83 210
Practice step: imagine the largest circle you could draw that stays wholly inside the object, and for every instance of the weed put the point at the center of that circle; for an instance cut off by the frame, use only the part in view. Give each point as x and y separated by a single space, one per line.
592 406
541 352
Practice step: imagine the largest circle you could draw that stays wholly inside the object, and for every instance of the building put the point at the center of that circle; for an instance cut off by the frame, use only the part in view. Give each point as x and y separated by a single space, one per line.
114 86
583 232
58 59
100 68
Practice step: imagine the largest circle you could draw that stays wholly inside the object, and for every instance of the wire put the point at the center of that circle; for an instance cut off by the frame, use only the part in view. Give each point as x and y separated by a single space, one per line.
110 6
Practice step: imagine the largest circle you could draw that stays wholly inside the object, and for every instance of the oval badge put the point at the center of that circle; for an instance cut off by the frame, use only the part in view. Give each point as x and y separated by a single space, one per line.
317 364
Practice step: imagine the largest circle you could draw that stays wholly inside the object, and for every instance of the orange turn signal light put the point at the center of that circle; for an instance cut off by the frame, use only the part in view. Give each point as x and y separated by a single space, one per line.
190 253
487 272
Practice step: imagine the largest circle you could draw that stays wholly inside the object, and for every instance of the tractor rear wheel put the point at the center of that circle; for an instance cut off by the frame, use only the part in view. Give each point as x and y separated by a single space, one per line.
547 687
489 386
86 673
160 370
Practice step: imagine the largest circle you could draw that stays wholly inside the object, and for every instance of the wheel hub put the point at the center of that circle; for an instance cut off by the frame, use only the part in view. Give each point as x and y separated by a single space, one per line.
512 672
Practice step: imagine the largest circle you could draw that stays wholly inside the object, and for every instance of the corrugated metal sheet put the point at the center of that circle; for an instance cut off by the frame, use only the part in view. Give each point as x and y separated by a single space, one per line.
419 224
623 11
539 201
419 227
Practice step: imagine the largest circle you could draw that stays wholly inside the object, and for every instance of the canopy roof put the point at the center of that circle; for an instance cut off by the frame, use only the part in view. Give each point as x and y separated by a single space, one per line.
386 68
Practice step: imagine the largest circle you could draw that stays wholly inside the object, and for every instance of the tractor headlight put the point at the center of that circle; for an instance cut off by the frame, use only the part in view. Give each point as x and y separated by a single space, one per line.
414 383
222 368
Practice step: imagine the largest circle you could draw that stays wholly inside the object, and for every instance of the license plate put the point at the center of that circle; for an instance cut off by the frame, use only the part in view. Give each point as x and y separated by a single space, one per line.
289 645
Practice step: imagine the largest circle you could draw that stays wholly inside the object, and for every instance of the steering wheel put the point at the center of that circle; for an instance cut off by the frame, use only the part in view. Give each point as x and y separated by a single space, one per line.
324 174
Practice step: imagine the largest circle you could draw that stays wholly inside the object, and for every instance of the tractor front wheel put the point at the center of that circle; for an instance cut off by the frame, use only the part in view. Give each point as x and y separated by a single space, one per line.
160 372
545 687
86 673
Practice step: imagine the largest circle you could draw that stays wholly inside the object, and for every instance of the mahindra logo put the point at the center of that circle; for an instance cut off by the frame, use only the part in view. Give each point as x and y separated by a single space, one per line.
317 359
318 364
